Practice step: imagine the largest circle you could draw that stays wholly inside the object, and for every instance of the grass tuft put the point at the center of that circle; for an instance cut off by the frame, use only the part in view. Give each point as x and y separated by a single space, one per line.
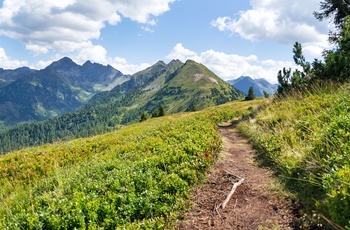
305 138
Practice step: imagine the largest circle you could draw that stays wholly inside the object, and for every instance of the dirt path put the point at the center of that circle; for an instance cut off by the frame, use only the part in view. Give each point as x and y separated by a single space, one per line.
254 205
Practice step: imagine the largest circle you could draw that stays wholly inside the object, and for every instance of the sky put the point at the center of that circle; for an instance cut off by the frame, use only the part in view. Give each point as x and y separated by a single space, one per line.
232 38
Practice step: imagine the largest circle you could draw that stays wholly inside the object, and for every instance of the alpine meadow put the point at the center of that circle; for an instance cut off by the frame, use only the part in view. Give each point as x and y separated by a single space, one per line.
94 148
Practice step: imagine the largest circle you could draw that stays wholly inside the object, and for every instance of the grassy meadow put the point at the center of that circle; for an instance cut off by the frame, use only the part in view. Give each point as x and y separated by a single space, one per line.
305 139
138 177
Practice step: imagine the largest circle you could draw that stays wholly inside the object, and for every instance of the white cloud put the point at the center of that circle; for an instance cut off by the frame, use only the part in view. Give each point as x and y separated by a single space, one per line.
311 52
43 64
232 66
98 54
69 25
8 63
93 53
122 65
181 53
141 10
283 21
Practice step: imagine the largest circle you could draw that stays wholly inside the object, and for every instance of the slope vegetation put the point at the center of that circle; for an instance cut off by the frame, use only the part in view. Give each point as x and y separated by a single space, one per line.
177 86
35 95
305 138
137 177
141 175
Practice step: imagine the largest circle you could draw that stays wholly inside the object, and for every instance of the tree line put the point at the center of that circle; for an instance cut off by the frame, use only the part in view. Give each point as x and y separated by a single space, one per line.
159 112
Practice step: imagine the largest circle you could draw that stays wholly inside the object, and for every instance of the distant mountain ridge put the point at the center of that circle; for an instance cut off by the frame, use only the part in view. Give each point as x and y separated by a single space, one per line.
92 77
259 85
36 95
176 86
9 76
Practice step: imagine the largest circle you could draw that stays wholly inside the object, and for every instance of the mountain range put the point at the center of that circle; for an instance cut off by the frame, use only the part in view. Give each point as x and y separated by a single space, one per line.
36 95
175 86
259 85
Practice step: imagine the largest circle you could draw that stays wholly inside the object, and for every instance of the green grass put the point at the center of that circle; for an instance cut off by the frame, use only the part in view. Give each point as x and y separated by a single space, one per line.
305 138
138 177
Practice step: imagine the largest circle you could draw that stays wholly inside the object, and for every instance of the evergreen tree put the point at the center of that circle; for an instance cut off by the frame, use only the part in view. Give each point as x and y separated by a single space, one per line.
336 10
284 79
251 94
298 79
155 113
161 111
337 62
266 95
144 116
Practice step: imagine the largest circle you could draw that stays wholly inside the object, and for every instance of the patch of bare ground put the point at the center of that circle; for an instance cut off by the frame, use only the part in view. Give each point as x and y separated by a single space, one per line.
253 205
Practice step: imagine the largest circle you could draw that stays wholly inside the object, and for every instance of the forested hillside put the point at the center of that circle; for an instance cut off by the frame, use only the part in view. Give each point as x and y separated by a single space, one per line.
9 76
175 86
35 95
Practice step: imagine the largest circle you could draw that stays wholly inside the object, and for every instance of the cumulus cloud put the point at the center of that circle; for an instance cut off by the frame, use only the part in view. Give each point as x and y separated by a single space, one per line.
232 66
8 63
122 65
181 53
69 25
98 54
141 11
283 21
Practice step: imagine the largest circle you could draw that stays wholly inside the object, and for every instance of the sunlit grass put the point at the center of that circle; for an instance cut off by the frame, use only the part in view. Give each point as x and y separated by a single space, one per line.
305 137
136 177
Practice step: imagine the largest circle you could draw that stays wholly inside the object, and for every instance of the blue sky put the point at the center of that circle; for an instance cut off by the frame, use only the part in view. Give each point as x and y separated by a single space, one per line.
231 37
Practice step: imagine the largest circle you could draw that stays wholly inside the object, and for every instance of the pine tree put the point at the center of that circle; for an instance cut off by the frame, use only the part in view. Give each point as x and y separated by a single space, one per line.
334 9
155 113
337 10
251 94
266 95
144 116
161 110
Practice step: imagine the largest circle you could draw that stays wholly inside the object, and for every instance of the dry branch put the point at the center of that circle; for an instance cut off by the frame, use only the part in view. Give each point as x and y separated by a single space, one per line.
234 187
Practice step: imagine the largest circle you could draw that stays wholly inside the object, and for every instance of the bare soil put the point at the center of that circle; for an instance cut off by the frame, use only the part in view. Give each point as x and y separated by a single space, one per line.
254 205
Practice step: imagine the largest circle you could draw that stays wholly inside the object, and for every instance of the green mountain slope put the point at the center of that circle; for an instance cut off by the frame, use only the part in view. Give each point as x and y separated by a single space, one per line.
138 177
32 95
177 86
192 87
11 75
41 95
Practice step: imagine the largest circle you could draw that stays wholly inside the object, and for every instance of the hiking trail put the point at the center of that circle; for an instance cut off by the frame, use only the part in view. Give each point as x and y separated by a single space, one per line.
254 204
